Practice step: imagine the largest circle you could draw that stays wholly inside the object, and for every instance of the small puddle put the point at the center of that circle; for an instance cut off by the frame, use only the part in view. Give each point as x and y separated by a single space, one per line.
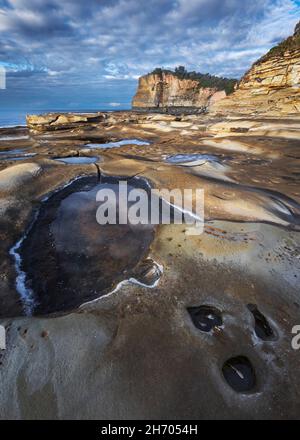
13 138
12 152
118 143
148 273
263 329
24 157
205 318
192 159
77 159
239 374
67 258
205 165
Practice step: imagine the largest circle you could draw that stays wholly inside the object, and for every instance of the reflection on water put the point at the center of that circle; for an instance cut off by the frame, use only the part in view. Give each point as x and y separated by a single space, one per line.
14 158
77 160
12 152
13 138
192 159
118 143
69 258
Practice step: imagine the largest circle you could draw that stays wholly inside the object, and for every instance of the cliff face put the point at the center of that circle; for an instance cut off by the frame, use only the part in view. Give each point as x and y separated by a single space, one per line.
167 90
272 85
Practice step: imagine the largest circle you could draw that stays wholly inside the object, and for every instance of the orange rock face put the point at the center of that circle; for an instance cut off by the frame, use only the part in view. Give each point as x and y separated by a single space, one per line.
167 90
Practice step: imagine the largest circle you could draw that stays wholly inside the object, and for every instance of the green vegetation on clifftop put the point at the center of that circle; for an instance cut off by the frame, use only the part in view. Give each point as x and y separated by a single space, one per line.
204 79
291 43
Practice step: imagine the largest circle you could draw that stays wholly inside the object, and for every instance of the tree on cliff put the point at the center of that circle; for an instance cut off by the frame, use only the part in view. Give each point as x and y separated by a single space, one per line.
205 80
181 72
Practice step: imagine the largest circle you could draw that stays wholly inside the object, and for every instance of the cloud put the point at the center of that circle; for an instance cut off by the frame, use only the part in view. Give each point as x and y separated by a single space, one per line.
33 18
104 45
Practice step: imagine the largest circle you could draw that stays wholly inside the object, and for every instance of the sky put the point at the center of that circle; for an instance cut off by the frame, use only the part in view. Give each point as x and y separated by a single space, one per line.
88 54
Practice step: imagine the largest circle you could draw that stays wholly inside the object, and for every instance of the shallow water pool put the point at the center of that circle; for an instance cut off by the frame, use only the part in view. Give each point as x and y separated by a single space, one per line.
75 160
119 143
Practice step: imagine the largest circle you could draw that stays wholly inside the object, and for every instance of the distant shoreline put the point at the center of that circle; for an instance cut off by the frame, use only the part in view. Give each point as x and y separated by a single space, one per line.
17 118
176 111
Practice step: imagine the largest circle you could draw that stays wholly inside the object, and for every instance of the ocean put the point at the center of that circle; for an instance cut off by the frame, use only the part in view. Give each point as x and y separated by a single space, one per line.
12 118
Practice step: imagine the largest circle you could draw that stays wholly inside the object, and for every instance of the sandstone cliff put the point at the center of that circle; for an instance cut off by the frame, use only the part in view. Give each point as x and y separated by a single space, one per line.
166 90
271 86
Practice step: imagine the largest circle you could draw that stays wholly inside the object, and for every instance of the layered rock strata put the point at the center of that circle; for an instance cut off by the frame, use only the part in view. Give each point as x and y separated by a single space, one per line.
271 86
166 91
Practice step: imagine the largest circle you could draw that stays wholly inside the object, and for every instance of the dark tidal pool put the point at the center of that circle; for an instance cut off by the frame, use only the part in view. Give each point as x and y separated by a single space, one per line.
67 258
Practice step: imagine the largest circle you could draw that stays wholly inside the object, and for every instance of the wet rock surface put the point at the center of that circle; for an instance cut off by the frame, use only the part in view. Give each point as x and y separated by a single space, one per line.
239 279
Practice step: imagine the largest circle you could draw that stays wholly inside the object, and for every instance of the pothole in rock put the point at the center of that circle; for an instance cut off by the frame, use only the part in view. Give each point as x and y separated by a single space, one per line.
67 258
263 329
239 374
206 318
148 273
117 144
77 160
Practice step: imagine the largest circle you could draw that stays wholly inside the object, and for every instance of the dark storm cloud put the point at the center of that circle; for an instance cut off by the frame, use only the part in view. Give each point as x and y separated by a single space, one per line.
93 44
33 19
